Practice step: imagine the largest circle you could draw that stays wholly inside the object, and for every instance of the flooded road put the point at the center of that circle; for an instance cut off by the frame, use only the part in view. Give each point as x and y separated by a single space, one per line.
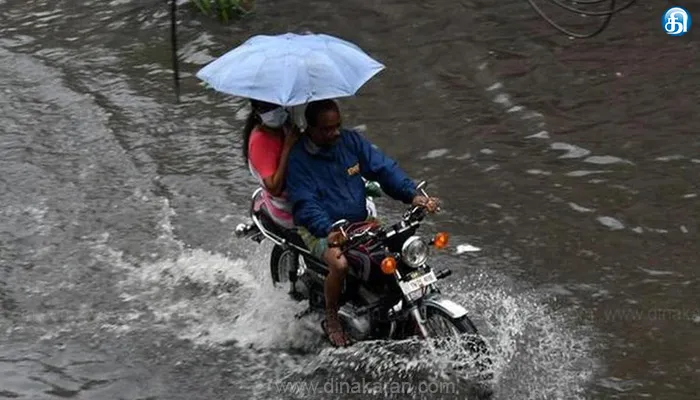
573 165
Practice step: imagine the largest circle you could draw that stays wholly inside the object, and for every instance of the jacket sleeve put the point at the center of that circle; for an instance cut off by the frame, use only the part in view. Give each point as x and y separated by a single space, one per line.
376 166
301 193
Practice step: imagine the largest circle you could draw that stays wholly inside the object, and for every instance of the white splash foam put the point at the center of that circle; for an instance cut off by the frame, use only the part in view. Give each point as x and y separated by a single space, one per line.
584 173
604 160
579 208
539 135
654 272
534 352
495 86
466 248
212 299
198 266
534 115
611 223
538 172
503 99
268 318
572 150
670 158
195 293
437 153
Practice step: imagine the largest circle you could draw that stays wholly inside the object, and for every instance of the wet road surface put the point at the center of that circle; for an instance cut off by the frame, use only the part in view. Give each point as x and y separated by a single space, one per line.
573 166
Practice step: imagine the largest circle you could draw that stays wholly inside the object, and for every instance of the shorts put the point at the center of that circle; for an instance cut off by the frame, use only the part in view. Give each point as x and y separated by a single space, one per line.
317 246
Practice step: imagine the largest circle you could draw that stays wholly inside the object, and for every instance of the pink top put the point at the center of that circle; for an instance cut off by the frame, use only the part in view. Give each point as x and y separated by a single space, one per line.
264 152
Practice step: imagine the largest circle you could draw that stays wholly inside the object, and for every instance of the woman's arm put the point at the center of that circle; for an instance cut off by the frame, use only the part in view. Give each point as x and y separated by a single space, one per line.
275 182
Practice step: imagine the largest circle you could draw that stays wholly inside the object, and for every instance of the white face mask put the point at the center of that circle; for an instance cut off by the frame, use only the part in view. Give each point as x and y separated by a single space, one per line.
274 118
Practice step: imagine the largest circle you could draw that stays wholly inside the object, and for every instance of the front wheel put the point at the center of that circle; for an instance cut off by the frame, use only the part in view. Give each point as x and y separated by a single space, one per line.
462 332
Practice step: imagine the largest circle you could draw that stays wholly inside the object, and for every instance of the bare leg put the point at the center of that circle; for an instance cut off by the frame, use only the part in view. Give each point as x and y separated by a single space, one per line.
338 269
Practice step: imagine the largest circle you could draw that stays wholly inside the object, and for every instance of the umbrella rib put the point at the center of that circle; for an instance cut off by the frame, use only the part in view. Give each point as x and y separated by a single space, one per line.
257 73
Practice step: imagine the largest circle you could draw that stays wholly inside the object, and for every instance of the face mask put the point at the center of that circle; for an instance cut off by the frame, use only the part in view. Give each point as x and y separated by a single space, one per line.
274 118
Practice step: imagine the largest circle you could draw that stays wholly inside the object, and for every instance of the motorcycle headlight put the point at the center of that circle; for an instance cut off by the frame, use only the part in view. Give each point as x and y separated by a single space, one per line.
414 251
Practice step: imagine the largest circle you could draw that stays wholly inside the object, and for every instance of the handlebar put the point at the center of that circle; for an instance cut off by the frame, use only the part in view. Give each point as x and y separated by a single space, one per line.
413 214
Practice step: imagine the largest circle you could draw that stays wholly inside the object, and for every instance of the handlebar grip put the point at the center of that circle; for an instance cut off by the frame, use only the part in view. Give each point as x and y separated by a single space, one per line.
444 273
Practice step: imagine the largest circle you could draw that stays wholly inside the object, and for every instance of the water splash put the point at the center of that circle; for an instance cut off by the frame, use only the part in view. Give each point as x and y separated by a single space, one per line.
536 352
219 300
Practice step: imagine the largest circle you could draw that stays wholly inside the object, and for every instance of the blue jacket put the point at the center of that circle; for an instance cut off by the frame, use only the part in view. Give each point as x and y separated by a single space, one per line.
325 185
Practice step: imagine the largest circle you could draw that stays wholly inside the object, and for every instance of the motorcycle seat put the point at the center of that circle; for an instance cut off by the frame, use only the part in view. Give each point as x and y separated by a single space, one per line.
360 263
289 234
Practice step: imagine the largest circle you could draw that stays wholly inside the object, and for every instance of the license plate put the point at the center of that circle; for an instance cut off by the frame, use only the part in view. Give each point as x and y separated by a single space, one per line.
418 283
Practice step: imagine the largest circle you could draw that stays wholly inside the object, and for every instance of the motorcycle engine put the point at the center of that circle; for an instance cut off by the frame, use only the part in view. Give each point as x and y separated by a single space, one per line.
358 326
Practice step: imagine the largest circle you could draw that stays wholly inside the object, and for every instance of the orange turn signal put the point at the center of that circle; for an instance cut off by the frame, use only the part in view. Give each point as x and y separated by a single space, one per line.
389 265
440 240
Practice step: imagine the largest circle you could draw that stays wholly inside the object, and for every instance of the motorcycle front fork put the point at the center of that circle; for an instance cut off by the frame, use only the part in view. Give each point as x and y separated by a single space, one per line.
420 322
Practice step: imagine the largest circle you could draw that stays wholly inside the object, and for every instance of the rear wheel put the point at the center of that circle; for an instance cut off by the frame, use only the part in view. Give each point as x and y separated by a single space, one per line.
283 266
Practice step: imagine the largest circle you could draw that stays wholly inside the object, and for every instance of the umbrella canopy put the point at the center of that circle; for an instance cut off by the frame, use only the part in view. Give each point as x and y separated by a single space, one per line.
291 69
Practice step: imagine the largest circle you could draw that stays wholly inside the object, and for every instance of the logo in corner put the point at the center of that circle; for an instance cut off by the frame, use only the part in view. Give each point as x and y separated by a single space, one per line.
676 21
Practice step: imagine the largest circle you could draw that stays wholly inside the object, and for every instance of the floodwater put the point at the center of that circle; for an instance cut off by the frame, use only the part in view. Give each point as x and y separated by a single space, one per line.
573 165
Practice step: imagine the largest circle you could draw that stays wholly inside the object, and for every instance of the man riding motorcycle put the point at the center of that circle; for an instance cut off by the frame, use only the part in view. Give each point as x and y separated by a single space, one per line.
324 184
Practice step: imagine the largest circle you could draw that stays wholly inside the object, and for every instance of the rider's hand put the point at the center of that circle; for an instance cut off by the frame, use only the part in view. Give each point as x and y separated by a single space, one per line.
335 238
430 203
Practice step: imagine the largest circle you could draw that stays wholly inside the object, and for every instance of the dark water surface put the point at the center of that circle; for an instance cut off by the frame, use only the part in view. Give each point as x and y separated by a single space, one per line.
573 165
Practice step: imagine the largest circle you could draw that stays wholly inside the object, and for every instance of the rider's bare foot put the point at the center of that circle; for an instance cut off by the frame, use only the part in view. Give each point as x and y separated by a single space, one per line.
335 332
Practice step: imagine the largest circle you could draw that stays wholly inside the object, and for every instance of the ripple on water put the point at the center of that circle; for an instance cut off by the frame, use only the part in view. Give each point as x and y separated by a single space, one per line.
436 153
539 135
604 160
579 208
572 151
674 157
68 371
585 172
611 223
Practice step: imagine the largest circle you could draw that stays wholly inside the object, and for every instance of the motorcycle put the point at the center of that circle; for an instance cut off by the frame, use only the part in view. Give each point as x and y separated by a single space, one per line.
390 292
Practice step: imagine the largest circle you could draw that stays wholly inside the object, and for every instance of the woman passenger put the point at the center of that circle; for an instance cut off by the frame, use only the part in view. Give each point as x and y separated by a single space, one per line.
268 137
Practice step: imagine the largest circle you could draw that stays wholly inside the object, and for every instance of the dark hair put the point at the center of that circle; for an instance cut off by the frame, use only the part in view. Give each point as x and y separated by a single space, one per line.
251 122
316 108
